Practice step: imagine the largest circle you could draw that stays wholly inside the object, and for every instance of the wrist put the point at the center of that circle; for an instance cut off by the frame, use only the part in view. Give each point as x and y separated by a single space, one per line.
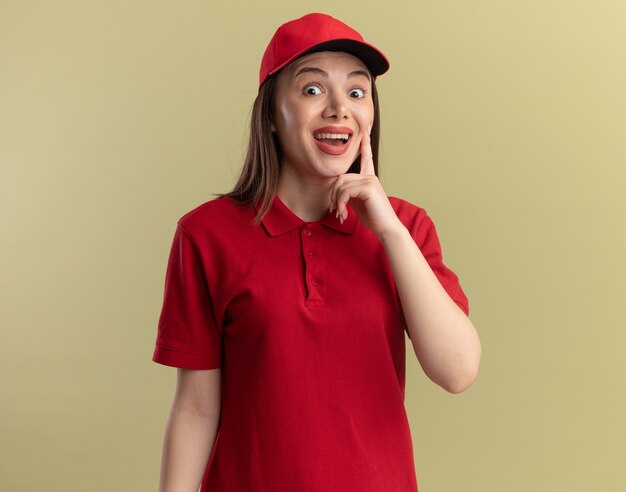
398 231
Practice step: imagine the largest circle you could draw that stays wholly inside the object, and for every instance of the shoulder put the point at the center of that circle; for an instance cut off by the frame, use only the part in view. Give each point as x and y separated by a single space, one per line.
416 220
216 214
407 212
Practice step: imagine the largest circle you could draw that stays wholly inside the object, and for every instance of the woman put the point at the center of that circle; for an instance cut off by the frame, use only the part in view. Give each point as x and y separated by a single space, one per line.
287 299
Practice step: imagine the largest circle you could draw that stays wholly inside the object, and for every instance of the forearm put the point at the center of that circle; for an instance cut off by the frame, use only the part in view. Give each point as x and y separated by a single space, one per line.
443 337
189 439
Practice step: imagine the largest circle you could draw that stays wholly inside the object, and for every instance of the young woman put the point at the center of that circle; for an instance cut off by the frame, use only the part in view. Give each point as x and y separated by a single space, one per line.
287 300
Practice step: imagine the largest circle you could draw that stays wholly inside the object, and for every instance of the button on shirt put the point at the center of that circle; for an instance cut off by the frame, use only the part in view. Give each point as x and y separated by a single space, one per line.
305 320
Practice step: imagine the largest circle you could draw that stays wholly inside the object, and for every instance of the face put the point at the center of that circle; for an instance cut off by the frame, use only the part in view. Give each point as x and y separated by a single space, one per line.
320 97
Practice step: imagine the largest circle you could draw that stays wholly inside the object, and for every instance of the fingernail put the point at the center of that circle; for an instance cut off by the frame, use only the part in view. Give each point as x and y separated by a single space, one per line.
331 207
369 130
337 213
341 219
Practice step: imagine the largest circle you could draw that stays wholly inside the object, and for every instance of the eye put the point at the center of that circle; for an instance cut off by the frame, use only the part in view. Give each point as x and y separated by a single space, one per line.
359 91
310 90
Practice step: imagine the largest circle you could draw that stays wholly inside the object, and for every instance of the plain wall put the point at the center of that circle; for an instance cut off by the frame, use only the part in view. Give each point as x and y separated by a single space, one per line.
505 120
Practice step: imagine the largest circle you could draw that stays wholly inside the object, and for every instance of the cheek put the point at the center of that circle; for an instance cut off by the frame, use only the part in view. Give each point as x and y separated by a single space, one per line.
293 119
288 109
290 124
365 116
284 115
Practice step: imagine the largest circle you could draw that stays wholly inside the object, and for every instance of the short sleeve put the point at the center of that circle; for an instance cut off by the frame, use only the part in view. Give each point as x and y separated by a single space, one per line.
425 235
188 336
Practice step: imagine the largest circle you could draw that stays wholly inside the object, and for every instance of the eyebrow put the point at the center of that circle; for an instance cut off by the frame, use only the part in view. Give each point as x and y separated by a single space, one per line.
355 73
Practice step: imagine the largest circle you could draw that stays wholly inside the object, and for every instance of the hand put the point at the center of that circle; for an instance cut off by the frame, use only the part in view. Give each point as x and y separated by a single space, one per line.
365 195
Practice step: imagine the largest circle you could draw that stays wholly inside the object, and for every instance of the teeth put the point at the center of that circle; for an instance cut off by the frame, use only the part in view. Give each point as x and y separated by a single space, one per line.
343 136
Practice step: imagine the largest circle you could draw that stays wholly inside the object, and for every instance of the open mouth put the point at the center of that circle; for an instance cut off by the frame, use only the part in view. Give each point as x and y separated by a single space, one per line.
333 138
333 143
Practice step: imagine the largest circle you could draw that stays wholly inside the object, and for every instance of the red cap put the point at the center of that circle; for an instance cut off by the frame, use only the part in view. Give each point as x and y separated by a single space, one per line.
317 32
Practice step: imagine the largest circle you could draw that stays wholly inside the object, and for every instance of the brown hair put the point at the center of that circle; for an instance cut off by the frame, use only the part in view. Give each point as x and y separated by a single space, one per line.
258 180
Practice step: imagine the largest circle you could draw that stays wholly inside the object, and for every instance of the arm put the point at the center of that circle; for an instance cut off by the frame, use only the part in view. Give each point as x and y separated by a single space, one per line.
443 337
191 429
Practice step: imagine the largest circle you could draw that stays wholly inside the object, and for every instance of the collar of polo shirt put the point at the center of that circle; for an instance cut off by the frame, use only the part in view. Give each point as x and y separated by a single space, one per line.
281 219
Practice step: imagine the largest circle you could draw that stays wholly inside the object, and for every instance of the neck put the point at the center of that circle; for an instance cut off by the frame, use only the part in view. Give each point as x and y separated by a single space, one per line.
308 201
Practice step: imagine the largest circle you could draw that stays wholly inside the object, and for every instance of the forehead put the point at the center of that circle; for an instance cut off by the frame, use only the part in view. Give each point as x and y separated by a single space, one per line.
334 59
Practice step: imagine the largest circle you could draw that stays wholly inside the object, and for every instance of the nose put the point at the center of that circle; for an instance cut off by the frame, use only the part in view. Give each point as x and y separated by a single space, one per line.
336 106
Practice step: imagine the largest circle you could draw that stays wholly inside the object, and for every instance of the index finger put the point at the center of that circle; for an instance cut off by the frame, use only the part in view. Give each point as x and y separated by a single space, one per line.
367 159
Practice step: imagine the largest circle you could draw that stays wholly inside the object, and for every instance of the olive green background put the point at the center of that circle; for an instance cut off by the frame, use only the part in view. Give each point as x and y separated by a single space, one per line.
505 120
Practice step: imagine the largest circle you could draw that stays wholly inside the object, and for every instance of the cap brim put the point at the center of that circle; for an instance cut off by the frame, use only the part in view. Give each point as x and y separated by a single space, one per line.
375 61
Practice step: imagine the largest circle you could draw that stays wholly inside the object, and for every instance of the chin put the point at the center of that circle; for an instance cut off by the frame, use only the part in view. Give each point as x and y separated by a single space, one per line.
339 168
344 161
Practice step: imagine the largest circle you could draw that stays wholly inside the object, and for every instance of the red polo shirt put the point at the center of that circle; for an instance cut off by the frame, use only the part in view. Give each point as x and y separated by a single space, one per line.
305 320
